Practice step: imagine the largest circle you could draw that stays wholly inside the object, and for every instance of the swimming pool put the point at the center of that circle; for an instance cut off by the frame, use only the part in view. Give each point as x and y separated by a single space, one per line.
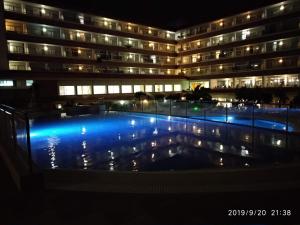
116 141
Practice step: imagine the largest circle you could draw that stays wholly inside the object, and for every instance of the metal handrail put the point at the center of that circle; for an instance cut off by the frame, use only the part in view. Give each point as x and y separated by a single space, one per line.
13 115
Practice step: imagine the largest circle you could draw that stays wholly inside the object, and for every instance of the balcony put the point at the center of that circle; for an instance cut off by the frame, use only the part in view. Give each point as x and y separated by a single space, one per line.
246 66
240 19
52 13
242 35
87 37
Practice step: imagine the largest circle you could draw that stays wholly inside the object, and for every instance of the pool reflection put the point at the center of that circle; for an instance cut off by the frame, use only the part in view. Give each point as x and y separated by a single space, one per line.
139 142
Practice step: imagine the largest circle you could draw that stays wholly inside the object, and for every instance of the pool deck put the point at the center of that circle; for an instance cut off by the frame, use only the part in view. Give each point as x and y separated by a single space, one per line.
68 197
179 182
72 207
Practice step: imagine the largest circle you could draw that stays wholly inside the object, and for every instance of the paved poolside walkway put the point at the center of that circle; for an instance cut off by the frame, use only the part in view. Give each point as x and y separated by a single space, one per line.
43 208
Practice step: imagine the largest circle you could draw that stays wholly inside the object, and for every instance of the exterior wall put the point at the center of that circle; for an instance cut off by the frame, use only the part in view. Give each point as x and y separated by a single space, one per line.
49 42
3 45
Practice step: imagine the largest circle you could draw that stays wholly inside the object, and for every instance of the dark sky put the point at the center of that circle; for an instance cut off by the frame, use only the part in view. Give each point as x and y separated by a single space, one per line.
161 13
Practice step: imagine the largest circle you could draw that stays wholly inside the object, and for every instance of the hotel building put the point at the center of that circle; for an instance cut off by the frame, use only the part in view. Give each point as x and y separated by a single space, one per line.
73 55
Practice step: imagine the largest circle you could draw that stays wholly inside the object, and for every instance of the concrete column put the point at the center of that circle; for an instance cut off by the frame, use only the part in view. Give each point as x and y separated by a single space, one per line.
3 42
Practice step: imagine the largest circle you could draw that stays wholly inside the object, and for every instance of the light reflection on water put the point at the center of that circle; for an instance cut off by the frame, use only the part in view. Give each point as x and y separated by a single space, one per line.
139 142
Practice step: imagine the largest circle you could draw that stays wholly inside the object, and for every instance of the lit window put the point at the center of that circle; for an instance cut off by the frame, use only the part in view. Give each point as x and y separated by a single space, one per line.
245 34
45 48
29 83
105 23
158 88
168 87
113 89
6 83
138 88
79 51
66 90
168 47
221 24
43 11
84 90
281 7
81 19
126 89
177 87
44 29
106 38
280 60
149 88
99 89
248 16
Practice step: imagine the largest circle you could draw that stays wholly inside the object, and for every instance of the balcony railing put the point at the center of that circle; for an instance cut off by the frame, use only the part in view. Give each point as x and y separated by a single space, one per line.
243 18
81 68
256 65
79 18
247 50
89 37
247 34
84 53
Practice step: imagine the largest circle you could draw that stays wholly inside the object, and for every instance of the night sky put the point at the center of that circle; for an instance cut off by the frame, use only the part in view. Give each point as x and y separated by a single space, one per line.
161 13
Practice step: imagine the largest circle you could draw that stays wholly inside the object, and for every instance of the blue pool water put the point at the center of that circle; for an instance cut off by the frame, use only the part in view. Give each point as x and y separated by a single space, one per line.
144 142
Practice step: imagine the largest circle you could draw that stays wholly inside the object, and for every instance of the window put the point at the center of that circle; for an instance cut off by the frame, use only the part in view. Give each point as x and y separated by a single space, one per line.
149 88
138 88
126 89
66 90
99 89
177 87
159 88
29 83
84 90
6 83
113 89
168 87
17 65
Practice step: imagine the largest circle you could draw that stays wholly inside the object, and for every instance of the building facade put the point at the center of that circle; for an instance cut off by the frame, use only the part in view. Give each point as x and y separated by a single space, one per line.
77 55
